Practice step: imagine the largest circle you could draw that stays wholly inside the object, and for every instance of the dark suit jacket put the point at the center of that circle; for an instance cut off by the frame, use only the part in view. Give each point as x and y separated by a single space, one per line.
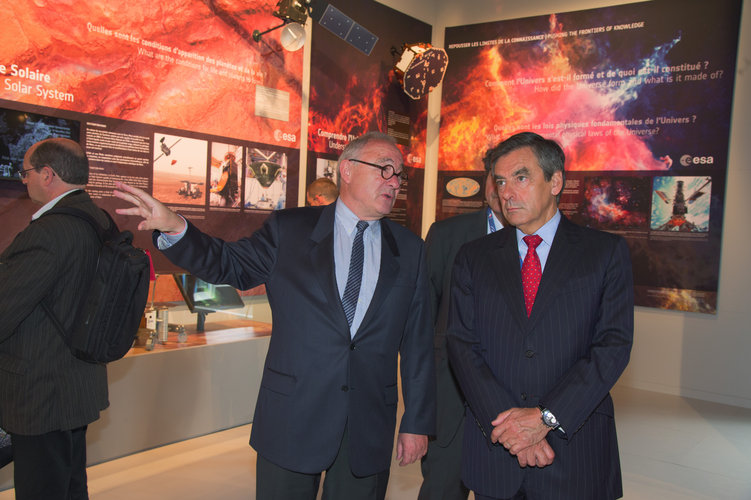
442 243
43 387
566 356
316 379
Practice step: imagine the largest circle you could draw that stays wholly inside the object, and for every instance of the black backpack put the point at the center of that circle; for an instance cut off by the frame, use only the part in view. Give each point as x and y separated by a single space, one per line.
110 312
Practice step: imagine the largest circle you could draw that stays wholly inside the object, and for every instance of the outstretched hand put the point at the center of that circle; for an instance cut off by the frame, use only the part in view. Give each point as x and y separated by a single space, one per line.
154 213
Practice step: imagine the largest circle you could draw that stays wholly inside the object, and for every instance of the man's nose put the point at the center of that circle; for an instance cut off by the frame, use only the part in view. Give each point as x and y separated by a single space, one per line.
505 194
395 181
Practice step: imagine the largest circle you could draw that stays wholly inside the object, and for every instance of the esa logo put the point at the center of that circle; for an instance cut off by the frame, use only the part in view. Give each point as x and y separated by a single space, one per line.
283 136
688 160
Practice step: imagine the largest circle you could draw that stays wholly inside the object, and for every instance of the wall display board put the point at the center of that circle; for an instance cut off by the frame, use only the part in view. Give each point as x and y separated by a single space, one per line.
639 97
175 98
352 93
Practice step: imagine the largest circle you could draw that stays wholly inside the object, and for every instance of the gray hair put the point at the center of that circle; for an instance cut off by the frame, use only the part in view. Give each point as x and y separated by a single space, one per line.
354 148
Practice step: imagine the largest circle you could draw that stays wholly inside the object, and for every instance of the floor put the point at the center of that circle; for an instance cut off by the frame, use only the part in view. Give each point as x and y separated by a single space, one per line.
672 448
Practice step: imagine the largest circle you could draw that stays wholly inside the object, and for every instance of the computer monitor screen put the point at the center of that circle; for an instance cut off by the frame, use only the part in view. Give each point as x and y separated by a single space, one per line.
206 297
19 131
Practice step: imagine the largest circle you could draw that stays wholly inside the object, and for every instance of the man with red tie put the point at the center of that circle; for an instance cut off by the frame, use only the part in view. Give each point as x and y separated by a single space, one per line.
540 328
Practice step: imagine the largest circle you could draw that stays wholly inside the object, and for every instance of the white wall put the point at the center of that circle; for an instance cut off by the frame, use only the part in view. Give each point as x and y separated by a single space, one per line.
694 355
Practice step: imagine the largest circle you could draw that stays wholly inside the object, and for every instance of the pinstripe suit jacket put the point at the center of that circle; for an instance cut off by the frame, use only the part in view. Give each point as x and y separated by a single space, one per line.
43 387
566 356
316 379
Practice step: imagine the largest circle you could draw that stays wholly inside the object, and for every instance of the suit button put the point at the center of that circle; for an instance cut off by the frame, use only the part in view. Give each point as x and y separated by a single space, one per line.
352 346
524 396
530 353
345 388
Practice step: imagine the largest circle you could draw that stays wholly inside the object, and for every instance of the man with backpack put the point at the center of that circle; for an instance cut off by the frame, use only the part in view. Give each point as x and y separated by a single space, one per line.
48 396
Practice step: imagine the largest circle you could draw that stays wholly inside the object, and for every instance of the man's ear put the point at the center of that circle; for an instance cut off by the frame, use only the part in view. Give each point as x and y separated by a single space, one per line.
48 175
556 181
345 171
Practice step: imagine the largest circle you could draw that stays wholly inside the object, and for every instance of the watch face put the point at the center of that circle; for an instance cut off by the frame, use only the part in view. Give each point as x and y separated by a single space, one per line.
549 419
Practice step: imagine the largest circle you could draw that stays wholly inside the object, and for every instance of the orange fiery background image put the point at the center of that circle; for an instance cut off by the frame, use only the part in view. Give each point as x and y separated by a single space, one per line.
362 107
498 98
189 65
357 111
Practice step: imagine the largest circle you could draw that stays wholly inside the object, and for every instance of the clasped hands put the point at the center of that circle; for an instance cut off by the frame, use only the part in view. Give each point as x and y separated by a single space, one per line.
522 432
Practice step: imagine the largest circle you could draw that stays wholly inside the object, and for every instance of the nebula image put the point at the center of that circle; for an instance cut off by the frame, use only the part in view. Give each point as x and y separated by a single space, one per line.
351 93
363 105
616 97
358 110
615 202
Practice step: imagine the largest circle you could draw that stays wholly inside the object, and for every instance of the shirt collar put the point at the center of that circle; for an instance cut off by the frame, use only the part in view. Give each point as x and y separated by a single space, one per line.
493 224
347 218
51 203
546 232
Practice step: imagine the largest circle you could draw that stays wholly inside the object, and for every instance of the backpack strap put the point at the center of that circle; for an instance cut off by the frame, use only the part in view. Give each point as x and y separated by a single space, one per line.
100 231
61 330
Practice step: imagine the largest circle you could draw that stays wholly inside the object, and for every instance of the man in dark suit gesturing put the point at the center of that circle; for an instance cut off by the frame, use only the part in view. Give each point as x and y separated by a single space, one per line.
540 329
348 294
441 466
47 395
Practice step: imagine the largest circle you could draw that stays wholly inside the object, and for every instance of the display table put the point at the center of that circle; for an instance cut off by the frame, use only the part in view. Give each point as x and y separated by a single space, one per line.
178 391
217 332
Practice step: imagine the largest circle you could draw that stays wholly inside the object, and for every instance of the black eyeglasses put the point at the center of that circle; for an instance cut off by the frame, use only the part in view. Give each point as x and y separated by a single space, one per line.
24 173
387 171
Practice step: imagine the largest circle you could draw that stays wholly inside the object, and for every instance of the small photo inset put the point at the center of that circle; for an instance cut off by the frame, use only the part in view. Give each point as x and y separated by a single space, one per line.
224 189
681 204
615 203
327 168
19 131
179 169
265 179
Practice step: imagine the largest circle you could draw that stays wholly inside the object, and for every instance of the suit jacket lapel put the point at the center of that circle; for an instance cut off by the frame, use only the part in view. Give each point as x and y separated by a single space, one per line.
558 268
322 263
508 273
386 275
480 225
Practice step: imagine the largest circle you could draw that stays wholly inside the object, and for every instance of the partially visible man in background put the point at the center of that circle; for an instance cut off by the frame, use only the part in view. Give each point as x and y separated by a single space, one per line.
48 396
322 191
441 467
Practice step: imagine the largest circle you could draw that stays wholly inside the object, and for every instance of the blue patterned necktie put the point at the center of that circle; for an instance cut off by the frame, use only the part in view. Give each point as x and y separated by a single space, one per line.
354 278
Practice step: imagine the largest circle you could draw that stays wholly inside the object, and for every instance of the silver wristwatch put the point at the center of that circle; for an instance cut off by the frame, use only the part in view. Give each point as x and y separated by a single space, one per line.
548 418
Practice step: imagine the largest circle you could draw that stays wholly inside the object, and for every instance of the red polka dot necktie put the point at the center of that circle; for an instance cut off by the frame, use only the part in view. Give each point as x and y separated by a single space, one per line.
531 271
